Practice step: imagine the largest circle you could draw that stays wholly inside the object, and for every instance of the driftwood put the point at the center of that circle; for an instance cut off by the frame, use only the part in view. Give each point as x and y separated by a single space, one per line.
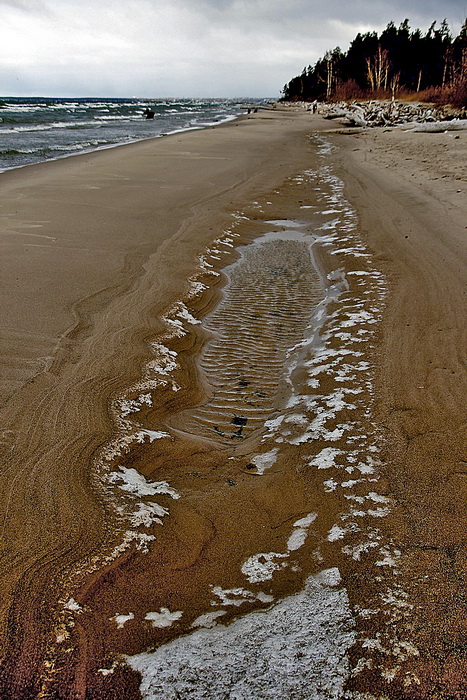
391 113
379 113
437 127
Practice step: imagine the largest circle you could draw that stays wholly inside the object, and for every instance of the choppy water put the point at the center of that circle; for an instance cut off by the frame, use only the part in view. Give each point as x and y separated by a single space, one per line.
35 129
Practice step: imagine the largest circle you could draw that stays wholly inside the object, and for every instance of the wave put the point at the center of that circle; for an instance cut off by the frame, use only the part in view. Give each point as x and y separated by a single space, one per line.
8 152
36 129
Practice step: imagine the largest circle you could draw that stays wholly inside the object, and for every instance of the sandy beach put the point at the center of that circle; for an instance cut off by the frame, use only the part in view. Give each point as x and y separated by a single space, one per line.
233 416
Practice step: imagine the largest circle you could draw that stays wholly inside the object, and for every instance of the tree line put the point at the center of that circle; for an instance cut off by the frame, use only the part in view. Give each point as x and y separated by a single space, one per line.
399 60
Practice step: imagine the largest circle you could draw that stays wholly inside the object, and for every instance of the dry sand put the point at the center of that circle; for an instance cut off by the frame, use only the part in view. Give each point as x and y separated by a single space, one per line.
96 250
410 193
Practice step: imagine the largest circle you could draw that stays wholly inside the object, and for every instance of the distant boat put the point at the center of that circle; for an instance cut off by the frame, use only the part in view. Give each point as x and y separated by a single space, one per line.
149 113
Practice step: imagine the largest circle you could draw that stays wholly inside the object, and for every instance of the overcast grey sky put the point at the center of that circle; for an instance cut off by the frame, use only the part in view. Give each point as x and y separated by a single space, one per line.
185 48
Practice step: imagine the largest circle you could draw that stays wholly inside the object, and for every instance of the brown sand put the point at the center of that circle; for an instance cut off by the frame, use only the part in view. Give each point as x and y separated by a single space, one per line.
410 191
94 250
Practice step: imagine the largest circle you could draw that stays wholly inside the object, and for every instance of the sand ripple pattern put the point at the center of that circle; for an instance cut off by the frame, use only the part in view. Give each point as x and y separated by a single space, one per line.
272 292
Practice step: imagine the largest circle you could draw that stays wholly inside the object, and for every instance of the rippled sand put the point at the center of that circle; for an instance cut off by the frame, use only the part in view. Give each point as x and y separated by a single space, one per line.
269 299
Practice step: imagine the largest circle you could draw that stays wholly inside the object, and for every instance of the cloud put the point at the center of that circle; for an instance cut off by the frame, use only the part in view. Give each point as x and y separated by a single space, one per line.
182 47
32 6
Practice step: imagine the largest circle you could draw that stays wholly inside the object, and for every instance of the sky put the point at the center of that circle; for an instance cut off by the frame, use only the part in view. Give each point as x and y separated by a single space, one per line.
185 48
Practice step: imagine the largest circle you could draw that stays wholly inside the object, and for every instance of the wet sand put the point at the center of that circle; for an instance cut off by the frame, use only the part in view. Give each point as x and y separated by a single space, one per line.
106 360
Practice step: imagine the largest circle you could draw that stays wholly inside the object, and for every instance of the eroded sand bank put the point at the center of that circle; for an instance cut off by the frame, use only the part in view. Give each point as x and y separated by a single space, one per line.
182 448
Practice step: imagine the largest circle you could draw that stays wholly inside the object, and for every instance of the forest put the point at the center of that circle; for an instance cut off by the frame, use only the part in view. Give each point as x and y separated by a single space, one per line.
398 62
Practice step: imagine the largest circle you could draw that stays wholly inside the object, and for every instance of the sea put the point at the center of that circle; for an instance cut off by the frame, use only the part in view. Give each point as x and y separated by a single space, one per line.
35 129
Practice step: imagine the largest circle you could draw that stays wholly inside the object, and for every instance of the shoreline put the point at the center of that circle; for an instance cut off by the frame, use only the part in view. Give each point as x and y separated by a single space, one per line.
37 173
108 122
98 149
78 385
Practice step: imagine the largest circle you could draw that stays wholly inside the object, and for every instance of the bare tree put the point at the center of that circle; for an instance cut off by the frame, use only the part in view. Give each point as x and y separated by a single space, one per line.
331 69
420 73
448 68
394 85
460 72
329 59
378 67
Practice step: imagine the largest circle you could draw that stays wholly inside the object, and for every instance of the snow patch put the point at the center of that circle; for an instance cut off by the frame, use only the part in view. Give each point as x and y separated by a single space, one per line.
185 315
208 619
163 618
260 567
136 484
121 620
147 514
325 458
300 643
300 532
265 460
73 606
154 434
238 596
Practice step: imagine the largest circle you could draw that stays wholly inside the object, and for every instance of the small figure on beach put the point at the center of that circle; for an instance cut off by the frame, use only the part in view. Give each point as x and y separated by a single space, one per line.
149 113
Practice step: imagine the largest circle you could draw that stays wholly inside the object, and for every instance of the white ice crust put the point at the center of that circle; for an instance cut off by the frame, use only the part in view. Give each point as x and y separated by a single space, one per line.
295 649
136 484
261 567
163 618
122 619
